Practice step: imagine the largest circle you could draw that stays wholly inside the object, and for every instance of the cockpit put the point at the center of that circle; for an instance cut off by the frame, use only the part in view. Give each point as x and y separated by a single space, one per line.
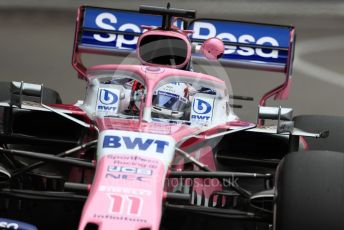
172 99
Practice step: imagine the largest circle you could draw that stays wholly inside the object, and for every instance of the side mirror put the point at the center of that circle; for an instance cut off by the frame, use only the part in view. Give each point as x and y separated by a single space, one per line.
21 91
283 116
275 113
213 48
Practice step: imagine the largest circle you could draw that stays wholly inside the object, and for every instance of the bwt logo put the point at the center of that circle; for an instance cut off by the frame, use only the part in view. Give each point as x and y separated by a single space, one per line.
107 97
200 117
201 107
205 30
134 143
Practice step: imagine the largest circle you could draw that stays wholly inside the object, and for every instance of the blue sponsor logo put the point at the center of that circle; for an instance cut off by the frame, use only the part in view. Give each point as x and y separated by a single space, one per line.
107 97
116 20
98 21
134 143
247 33
201 107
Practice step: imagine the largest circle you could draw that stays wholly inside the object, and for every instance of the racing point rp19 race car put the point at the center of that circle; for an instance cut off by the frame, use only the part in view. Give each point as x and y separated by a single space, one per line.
157 146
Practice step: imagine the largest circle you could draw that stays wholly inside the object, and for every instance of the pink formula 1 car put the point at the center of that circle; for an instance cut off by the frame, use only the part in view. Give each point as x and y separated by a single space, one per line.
156 145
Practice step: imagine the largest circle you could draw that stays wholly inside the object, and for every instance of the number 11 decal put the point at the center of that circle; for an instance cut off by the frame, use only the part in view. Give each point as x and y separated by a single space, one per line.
133 204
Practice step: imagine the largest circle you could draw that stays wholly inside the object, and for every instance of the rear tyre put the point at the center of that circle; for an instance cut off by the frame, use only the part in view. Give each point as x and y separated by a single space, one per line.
310 191
50 96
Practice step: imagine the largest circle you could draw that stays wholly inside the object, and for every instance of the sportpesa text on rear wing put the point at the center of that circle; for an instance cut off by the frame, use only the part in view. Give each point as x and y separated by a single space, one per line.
252 45
248 45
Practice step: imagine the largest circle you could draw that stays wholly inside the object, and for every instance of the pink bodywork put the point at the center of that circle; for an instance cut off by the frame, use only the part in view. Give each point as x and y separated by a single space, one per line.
125 204
133 205
282 92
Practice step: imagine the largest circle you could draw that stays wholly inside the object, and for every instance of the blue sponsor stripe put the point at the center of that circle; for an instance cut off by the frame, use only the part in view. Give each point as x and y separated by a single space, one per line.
123 17
101 21
251 36
96 20
280 33
88 40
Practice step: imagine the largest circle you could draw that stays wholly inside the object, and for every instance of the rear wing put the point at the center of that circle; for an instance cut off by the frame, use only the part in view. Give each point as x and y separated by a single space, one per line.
110 32
248 45
252 45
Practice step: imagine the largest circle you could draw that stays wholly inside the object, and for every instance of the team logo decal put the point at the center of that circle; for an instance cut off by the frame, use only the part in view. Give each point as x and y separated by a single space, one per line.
107 97
108 101
202 110
201 107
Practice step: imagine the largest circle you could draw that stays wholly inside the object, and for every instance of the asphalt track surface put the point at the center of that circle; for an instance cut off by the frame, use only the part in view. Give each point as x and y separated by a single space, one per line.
37 38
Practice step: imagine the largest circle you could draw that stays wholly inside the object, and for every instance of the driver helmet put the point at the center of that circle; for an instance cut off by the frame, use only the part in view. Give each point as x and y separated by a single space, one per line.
172 100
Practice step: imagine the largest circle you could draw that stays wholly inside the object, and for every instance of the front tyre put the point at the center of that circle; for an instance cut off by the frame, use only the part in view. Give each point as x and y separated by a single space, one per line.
310 191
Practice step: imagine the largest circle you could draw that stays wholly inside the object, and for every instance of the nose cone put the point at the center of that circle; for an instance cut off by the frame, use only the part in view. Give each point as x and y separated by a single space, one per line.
127 189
